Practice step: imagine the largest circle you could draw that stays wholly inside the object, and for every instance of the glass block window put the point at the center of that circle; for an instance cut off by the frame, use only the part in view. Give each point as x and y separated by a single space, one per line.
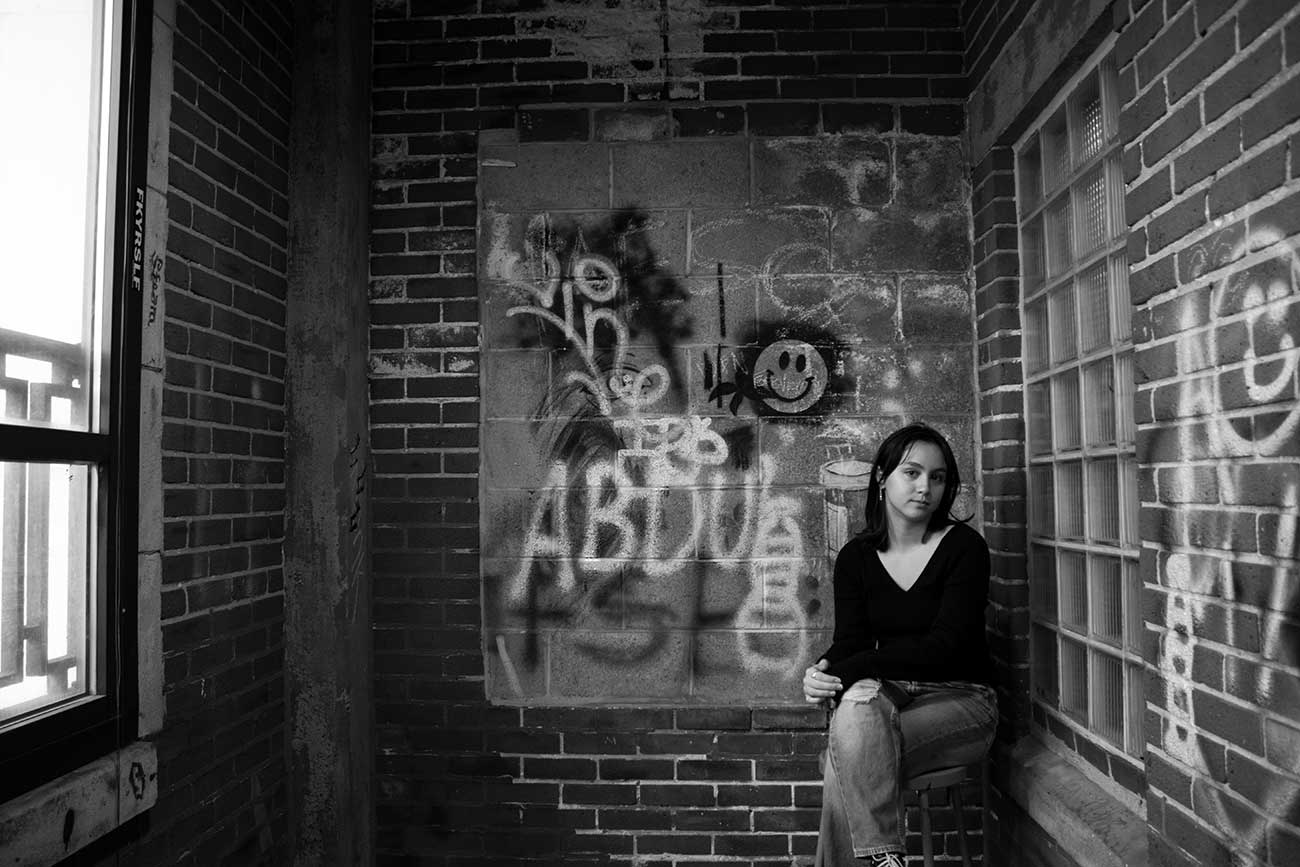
1079 386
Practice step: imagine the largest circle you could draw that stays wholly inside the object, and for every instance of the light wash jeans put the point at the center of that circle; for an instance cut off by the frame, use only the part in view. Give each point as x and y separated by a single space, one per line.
872 746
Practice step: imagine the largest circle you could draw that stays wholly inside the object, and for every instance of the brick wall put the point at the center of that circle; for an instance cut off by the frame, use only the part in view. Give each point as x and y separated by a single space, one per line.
1002 459
221 751
1208 122
1211 96
460 779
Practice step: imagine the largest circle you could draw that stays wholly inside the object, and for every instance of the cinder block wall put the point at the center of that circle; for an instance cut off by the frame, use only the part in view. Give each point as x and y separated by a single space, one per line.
576 760
221 753
1211 118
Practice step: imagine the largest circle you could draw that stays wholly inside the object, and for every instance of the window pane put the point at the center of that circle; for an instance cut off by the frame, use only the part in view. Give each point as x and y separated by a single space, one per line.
1036 334
1125 386
1060 314
1057 231
1065 407
1115 196
1094 308
1074 591
1123 306
1056 151
1031 178
45 512
1128 500
1069 500
1040 417
49 76
1042 521
1103 501
1136 710
1031 255
1090 212
1089 132
1132 607
1045 654
1108 697
1107 596
1042 583
1074 679
1099 403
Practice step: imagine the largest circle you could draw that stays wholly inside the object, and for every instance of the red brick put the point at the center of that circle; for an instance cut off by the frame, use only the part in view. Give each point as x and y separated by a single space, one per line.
1208 156
1246 76
1170 133
1176 36
1205 59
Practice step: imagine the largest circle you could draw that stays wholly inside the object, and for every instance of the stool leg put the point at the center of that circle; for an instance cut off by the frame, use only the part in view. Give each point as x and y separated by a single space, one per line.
927 846
955 794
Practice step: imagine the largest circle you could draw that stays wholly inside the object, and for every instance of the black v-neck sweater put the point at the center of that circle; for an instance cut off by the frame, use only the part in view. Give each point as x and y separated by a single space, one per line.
933 631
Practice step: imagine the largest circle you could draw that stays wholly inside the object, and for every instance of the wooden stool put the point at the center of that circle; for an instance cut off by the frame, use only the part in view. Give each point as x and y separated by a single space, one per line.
924 783
944 778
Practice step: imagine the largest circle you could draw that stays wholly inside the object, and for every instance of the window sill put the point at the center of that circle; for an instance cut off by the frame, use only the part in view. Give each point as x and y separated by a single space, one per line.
48 824
1095 827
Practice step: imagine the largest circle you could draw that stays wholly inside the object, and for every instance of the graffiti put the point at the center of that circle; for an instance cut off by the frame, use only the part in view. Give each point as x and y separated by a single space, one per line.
636 497
155 275
1252 358
358 470
137 779
783 370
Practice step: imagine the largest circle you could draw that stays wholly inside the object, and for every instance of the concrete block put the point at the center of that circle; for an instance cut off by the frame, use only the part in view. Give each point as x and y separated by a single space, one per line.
799 453
769 242
880 379
852 307
50 823
937 307
149 674
789 593
522 330
959 431
747 666
633 124
640 243
714 366
931 173
620 664
941 380
516 665
515 381
724 584
898 240
503 606
537 176
512 457
720 310
712 173
834 172
711 121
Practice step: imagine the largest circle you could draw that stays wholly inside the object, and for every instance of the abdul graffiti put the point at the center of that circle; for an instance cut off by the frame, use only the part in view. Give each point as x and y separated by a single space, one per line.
1244 416
675 528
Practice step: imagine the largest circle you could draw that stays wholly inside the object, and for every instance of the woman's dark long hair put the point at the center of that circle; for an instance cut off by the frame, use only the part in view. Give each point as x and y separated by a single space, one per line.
890 454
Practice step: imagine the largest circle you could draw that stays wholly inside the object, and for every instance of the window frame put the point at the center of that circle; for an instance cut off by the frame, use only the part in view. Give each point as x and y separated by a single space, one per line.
1033 207
52 743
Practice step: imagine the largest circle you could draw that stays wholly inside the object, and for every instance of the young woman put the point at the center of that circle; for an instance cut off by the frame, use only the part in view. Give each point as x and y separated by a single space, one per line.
908 670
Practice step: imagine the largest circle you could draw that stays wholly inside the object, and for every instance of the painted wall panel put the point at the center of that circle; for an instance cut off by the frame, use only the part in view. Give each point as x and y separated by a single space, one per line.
681 396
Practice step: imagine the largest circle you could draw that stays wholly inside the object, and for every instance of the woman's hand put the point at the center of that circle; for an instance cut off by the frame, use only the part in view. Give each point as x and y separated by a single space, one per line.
819 686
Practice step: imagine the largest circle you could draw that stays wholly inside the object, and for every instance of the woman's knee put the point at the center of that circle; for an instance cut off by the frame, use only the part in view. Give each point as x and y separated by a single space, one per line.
860 719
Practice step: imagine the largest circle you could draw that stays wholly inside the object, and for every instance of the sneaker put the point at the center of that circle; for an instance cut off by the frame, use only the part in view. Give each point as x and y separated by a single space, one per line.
886 859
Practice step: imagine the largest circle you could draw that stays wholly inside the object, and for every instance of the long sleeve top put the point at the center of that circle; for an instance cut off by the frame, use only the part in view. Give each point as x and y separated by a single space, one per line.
933 631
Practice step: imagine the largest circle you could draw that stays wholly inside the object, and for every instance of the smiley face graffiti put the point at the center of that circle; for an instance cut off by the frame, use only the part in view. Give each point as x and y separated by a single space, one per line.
790 376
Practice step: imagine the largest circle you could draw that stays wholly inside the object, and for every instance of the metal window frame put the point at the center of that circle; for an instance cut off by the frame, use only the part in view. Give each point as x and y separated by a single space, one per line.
1045 373
48 744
